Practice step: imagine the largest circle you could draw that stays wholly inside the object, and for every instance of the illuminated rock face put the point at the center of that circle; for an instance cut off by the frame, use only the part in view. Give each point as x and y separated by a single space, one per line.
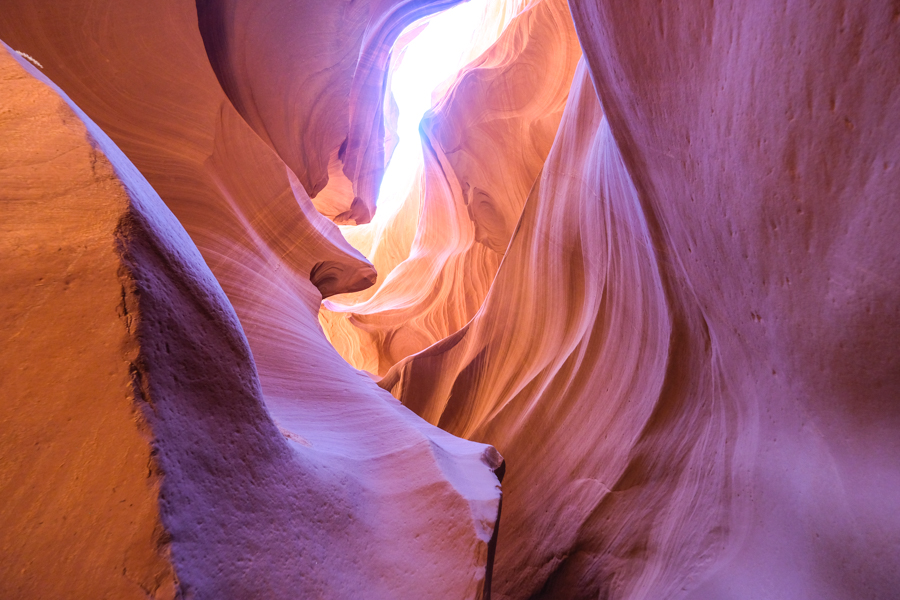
671 305
484 145
566 358
80 516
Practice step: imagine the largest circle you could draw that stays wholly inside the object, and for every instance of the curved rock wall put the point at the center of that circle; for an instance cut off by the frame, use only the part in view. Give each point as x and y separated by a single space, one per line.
752 448
760 140
275 480
309 78
79 484
567 368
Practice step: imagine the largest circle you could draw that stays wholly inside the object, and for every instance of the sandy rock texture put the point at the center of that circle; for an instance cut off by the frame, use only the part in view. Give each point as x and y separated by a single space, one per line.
484 145
267 478
762 145
79 483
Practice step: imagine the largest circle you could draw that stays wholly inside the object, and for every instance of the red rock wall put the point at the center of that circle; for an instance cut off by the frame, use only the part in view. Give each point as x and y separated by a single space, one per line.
80 516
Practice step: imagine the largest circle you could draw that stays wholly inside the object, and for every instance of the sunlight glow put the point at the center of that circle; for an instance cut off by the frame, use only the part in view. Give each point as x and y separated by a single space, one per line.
434 56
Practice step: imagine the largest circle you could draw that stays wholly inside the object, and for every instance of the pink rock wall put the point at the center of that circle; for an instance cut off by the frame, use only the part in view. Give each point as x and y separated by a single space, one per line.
742 443
564 365
309 77
760 141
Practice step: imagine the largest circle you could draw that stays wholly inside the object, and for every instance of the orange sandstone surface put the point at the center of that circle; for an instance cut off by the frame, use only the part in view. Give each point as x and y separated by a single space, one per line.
648 270
246 473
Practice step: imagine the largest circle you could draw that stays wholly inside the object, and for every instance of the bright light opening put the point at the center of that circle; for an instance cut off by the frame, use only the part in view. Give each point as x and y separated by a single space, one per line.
434 56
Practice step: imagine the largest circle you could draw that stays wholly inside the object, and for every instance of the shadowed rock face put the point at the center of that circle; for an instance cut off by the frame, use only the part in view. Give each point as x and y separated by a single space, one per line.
309 78
760 142
671 305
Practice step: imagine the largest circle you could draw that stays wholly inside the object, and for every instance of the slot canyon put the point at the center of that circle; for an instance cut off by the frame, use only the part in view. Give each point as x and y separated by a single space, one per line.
447 300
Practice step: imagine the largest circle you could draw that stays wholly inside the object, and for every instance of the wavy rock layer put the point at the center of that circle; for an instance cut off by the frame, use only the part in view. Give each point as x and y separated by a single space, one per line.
686 356
333 497
484 145
386 241
575 333
688 353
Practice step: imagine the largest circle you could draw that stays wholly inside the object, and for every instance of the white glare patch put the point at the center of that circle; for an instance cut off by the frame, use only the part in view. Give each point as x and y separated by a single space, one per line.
431 58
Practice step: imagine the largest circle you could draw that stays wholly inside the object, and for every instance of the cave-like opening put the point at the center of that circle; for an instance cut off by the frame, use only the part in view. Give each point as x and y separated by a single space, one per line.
427 54
469 118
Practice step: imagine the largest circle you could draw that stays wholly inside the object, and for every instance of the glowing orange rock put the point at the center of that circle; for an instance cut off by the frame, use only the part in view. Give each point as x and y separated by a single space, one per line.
80 516
474 189
688 353
571 343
